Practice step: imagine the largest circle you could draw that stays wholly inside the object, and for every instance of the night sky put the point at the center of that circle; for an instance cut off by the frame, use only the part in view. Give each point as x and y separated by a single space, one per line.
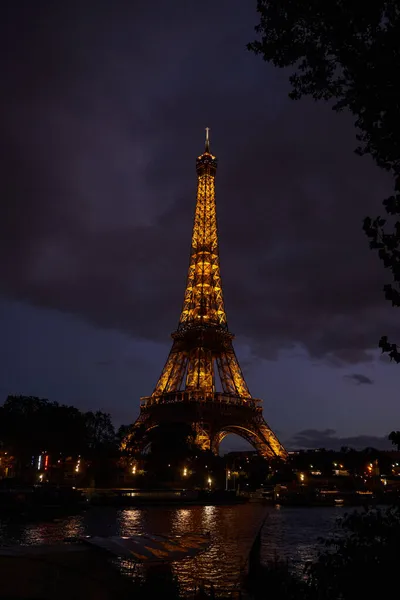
104 105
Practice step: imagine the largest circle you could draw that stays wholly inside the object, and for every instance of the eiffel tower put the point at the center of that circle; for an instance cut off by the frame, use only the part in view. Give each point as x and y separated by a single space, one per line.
202 350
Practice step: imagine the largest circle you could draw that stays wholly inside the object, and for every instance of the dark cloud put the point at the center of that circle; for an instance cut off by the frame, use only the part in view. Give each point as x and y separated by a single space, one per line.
314 438
105 106
359 379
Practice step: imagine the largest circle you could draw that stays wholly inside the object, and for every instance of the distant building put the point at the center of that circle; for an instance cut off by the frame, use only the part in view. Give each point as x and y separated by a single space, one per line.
242 454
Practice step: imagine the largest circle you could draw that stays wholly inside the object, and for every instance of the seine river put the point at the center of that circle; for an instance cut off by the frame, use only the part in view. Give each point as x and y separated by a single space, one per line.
291 533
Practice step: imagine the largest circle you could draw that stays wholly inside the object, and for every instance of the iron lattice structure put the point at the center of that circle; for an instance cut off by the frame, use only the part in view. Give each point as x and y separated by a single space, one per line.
202 349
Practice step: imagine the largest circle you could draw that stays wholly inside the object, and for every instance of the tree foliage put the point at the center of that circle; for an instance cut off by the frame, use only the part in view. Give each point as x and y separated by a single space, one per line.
394 437
100 432
347 52
30 426
171 448
358 560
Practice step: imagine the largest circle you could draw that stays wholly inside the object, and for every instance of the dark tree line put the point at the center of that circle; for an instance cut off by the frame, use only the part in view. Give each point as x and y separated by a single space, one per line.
394 437
348 52
30 426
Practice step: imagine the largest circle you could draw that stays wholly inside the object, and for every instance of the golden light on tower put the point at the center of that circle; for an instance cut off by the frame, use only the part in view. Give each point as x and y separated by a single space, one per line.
201 383
203 304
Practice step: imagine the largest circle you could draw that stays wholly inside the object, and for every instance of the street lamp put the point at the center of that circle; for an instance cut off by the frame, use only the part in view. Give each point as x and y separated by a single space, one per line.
185 471
209 481
228 476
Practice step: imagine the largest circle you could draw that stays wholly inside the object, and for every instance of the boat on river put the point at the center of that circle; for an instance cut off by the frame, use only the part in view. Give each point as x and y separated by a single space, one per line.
86 567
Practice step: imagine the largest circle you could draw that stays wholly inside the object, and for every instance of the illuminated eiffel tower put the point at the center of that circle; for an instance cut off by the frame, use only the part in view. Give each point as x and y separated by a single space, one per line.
202 350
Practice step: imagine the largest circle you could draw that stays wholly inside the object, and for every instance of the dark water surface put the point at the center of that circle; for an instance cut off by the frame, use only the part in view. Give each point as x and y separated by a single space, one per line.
292 533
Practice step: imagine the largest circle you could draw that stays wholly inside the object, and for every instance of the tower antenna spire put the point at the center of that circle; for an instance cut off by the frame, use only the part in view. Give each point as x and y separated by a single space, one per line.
207 139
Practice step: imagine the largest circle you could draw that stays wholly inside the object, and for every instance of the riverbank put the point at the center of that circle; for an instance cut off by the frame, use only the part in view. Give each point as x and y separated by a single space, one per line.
40 500
133 497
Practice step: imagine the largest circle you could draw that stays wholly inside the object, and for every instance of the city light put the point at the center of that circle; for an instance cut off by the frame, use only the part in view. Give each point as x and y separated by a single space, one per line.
134 470
185 472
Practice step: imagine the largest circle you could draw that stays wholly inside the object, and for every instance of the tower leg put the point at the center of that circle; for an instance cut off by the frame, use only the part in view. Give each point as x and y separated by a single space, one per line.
211 423
257 433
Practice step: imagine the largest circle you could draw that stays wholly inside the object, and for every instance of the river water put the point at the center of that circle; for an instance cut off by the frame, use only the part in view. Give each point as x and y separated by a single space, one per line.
289 532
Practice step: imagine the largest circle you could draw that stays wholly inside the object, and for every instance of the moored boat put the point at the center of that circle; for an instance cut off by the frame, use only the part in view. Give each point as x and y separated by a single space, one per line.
83 568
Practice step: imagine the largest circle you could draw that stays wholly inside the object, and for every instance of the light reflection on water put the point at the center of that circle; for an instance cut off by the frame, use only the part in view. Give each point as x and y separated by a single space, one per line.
182 520
292 533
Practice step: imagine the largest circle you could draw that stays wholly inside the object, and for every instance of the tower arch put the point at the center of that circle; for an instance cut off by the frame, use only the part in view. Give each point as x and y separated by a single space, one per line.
251 434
